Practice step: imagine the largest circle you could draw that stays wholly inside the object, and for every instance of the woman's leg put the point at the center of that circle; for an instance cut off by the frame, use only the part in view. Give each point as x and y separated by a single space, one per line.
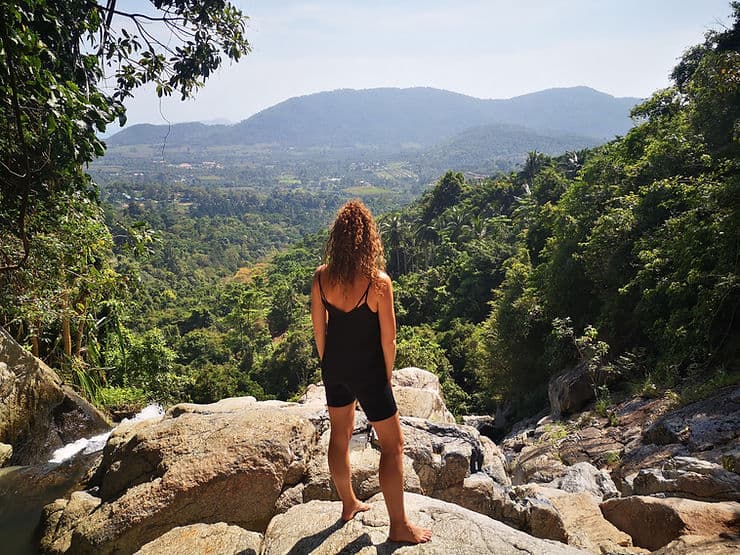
391 482
342 422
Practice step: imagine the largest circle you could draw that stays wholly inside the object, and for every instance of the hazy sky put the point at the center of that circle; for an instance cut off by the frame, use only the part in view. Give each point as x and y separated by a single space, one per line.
486 49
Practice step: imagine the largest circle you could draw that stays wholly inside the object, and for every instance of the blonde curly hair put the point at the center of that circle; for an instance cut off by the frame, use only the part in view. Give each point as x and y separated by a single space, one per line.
354 247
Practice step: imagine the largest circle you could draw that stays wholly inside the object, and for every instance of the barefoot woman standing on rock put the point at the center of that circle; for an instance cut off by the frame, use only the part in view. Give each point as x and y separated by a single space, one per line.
355 330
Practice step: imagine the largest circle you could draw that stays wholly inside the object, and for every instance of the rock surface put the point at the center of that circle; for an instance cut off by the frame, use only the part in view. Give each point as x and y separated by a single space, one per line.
6 453
689 477
570 391
701 425
38 414
205 539
654 523
315 528
418 394
196 467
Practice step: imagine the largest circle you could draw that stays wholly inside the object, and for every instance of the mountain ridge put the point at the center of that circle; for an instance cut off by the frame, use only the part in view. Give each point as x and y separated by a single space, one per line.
392 117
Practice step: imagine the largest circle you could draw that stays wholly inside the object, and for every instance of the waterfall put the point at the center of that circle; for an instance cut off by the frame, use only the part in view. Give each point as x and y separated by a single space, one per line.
96 443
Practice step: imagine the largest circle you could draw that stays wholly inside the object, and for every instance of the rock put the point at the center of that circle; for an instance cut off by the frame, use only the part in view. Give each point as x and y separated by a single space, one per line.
585 477
476 493
315 528
418 394
443 454
289 497
654 523
602 446
203 465
537 463
205 539
6 453
689 477
39 414
230 404
60 519
579 523
485 424
701 545
570 391
701 425
494 462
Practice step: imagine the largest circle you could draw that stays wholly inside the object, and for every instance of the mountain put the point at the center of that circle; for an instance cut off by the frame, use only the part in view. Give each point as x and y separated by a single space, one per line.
489 147
392 118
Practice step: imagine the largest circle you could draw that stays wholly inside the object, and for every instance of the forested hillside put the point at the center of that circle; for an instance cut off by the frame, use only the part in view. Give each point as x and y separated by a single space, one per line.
623 258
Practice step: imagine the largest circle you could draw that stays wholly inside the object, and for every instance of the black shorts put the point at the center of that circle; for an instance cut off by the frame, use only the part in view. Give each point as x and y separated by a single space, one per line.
376 400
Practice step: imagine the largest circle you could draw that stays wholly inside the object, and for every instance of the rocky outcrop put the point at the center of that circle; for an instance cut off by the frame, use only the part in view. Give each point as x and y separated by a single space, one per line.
654 523
205 539
571 391
194 466
418 394
39 414
701 545
584 477
691 478
314 528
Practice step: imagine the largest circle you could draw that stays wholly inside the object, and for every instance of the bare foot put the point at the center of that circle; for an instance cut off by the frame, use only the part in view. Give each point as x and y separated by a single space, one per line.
408 533
348 513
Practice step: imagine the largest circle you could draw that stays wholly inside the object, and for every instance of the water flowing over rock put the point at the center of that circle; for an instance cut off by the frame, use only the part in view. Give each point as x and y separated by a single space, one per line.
314 528
39 414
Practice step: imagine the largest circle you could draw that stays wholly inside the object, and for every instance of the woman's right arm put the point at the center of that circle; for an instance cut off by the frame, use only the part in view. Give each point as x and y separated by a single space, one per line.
387 318
318 315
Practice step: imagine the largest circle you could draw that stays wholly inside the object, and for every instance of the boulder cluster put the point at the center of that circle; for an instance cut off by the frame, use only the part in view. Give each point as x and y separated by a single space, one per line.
242 476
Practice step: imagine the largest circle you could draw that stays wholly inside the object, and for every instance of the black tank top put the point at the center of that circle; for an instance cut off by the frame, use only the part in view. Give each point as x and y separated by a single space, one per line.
353 354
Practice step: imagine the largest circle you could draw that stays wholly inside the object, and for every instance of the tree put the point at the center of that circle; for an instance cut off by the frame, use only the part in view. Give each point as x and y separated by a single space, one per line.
54 59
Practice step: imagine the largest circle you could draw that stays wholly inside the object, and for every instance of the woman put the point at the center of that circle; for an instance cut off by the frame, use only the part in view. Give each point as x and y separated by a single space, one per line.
355 330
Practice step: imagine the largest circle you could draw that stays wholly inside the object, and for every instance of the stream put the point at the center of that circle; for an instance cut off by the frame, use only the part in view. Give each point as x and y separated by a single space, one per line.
25 490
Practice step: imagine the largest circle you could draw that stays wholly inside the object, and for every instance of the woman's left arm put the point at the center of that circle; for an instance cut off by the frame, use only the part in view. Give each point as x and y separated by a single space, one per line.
387 318
318 315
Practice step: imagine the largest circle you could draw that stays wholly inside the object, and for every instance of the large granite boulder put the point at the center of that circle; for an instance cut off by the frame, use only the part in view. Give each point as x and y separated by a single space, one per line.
315 528
571 391
197 464
443 454
205 539
691 478
39 414
418 394
655 522
583 477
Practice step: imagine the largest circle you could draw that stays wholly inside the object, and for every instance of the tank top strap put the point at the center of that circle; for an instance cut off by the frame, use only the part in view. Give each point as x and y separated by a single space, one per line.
321 289
363 299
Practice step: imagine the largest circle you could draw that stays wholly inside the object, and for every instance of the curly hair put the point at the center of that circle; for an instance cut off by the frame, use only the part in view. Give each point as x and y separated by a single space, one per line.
354 247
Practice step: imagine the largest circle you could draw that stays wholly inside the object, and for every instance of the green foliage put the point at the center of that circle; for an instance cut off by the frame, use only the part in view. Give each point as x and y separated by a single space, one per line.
122 400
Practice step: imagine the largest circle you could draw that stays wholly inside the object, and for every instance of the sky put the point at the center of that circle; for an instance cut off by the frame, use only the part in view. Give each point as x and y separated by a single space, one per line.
485 49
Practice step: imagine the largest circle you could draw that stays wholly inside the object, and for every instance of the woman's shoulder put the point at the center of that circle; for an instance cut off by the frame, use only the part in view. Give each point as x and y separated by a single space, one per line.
382 282
383 277
319 271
